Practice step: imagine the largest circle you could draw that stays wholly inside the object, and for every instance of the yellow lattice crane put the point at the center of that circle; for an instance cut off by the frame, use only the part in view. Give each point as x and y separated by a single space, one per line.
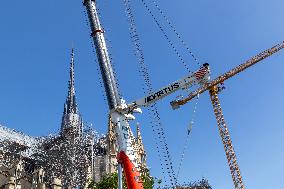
214 88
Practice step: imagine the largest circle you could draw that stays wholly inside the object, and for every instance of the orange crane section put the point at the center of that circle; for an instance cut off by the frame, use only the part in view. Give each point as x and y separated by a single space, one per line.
224 133
214 89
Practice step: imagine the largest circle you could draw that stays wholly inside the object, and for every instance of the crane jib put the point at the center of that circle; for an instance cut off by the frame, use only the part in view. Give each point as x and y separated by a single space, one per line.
162 92
199 77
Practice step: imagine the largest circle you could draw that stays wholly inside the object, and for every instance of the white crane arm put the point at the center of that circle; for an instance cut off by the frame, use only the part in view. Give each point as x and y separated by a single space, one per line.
201 77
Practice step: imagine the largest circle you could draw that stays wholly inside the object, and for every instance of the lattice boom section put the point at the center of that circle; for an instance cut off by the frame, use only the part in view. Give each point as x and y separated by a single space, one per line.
229 150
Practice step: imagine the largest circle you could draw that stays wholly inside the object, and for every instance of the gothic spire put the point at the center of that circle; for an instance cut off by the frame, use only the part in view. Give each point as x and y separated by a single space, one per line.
141 151
70 104
139 138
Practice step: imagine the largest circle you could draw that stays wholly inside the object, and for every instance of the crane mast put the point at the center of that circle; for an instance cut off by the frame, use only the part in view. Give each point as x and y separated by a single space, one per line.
126 154
226 139
97 34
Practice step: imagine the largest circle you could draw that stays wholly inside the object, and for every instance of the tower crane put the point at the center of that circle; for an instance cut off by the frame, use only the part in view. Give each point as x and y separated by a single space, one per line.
214 89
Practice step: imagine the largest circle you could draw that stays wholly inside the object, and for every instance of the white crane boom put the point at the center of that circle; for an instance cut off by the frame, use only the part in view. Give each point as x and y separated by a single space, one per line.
200 77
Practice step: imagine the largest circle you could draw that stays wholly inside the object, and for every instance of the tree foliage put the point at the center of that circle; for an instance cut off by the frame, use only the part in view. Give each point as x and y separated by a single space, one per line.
147 179
202 184
109 181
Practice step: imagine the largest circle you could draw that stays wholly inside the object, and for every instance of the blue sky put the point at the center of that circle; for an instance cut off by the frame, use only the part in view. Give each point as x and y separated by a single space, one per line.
35 45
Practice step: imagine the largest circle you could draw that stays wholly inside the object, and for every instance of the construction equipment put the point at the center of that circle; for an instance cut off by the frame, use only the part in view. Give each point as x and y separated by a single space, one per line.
126 156
214 88
123 112
200 77
120 112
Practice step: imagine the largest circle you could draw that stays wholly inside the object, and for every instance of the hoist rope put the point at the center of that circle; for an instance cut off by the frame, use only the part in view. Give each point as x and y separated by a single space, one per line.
175 31
138 50
158 129
166 36
186 143
156 124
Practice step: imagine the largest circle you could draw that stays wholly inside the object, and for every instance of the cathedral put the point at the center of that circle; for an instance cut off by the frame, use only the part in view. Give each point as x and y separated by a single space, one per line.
72 158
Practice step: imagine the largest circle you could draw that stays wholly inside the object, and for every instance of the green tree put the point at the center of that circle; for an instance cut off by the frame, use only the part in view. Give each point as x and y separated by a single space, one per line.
147 179
110 181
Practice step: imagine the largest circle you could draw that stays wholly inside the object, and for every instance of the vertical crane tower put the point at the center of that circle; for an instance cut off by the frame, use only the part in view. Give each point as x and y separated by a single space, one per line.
126 156
97 34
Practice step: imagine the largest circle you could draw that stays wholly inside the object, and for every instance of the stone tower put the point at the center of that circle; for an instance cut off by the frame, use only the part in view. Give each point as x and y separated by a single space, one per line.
69 155
71 119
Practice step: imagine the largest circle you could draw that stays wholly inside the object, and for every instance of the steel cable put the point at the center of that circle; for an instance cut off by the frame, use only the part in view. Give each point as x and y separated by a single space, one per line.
157 128
176 32
186 143
166 36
